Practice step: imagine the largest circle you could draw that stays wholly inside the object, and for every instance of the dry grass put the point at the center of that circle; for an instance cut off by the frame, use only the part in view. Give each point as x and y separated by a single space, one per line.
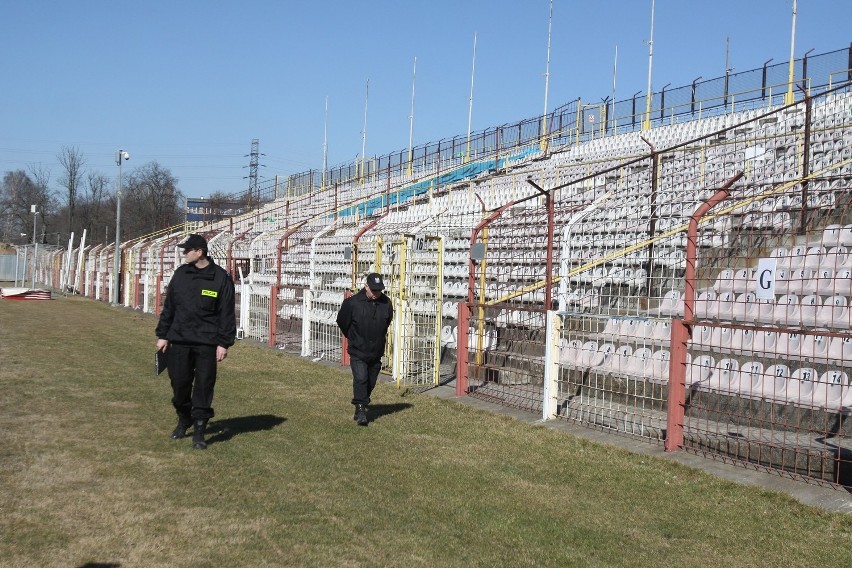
88 473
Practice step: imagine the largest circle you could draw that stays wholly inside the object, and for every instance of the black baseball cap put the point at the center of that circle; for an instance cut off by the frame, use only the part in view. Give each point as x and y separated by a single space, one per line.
375 281
194 242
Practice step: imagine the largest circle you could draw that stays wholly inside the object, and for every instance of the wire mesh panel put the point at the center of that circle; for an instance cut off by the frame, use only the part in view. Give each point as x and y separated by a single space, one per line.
418 307
767 367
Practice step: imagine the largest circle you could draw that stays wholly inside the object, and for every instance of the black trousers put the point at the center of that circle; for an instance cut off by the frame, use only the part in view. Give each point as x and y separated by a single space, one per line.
364 377
192 370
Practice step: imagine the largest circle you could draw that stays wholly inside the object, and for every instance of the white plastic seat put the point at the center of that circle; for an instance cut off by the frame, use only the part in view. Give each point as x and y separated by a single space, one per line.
830 388
724 281
662 334
764 342
751 378
639 364
603 355
745 307
645 330
775 382
808 307
587 354
671 304
834 313
742 341
724 375
789 344
814 347
618 361
612 329
724 307
800 387
569 354
700 369
660 366
814 257
840 350
787 311
765 310
704 304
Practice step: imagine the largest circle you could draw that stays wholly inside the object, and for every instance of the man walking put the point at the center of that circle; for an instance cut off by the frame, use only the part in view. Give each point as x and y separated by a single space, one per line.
364 319
196 328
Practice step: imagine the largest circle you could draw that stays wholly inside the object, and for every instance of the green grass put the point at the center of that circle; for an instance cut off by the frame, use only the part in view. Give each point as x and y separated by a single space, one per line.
88 473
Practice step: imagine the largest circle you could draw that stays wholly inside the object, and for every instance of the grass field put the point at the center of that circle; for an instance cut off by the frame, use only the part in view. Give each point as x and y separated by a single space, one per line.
89 475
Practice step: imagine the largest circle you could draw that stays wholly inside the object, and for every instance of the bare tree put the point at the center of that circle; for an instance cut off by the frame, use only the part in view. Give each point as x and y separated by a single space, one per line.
18 192
152 200
94 210
72 162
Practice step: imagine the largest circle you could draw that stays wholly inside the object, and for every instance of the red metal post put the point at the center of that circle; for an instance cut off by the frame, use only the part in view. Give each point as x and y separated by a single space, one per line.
461 349
681 329
273 315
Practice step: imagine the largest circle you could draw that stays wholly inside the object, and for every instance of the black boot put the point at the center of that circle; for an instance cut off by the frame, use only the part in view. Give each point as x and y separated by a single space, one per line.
198 435
361 415
184 422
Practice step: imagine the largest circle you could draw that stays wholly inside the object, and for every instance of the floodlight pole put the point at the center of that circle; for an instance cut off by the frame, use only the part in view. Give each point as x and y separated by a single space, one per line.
647 123
120 156
788 98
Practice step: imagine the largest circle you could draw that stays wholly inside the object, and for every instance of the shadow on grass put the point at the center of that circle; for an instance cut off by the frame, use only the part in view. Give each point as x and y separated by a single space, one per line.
379 410
224 430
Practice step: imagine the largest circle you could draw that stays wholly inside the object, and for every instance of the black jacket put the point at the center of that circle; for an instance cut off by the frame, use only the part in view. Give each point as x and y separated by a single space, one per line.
199 307
365 324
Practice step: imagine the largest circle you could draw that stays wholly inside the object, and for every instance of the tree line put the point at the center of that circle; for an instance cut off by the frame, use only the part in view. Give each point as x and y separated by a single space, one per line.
86 199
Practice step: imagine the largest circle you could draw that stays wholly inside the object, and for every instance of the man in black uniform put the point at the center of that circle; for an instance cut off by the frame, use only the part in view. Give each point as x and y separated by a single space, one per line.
364 319
196 328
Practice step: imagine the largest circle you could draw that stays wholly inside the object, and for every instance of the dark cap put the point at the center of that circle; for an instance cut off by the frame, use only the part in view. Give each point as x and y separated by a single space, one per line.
375 281
194 242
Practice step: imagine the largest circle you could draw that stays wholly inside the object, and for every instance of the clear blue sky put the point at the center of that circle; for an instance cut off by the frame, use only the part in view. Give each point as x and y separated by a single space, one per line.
190 83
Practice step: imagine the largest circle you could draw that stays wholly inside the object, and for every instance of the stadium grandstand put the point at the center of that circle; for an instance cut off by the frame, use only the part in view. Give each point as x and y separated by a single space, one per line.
681 276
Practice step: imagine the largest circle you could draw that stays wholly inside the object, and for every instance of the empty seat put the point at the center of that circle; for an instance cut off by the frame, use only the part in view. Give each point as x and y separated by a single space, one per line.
774 383
808 308
603 355
660 366
745 307
787 311
671 304
724 375
831 389
639 364
840 350
751 379
814 347
764 341
569 354
618 361
789 344
800 387
700 369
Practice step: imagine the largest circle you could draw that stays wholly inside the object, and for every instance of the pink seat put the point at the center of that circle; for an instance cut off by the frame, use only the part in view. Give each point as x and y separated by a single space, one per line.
808 307
745 307
751 379
834 313
764 342
775 382
840 350
787 311
800 387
